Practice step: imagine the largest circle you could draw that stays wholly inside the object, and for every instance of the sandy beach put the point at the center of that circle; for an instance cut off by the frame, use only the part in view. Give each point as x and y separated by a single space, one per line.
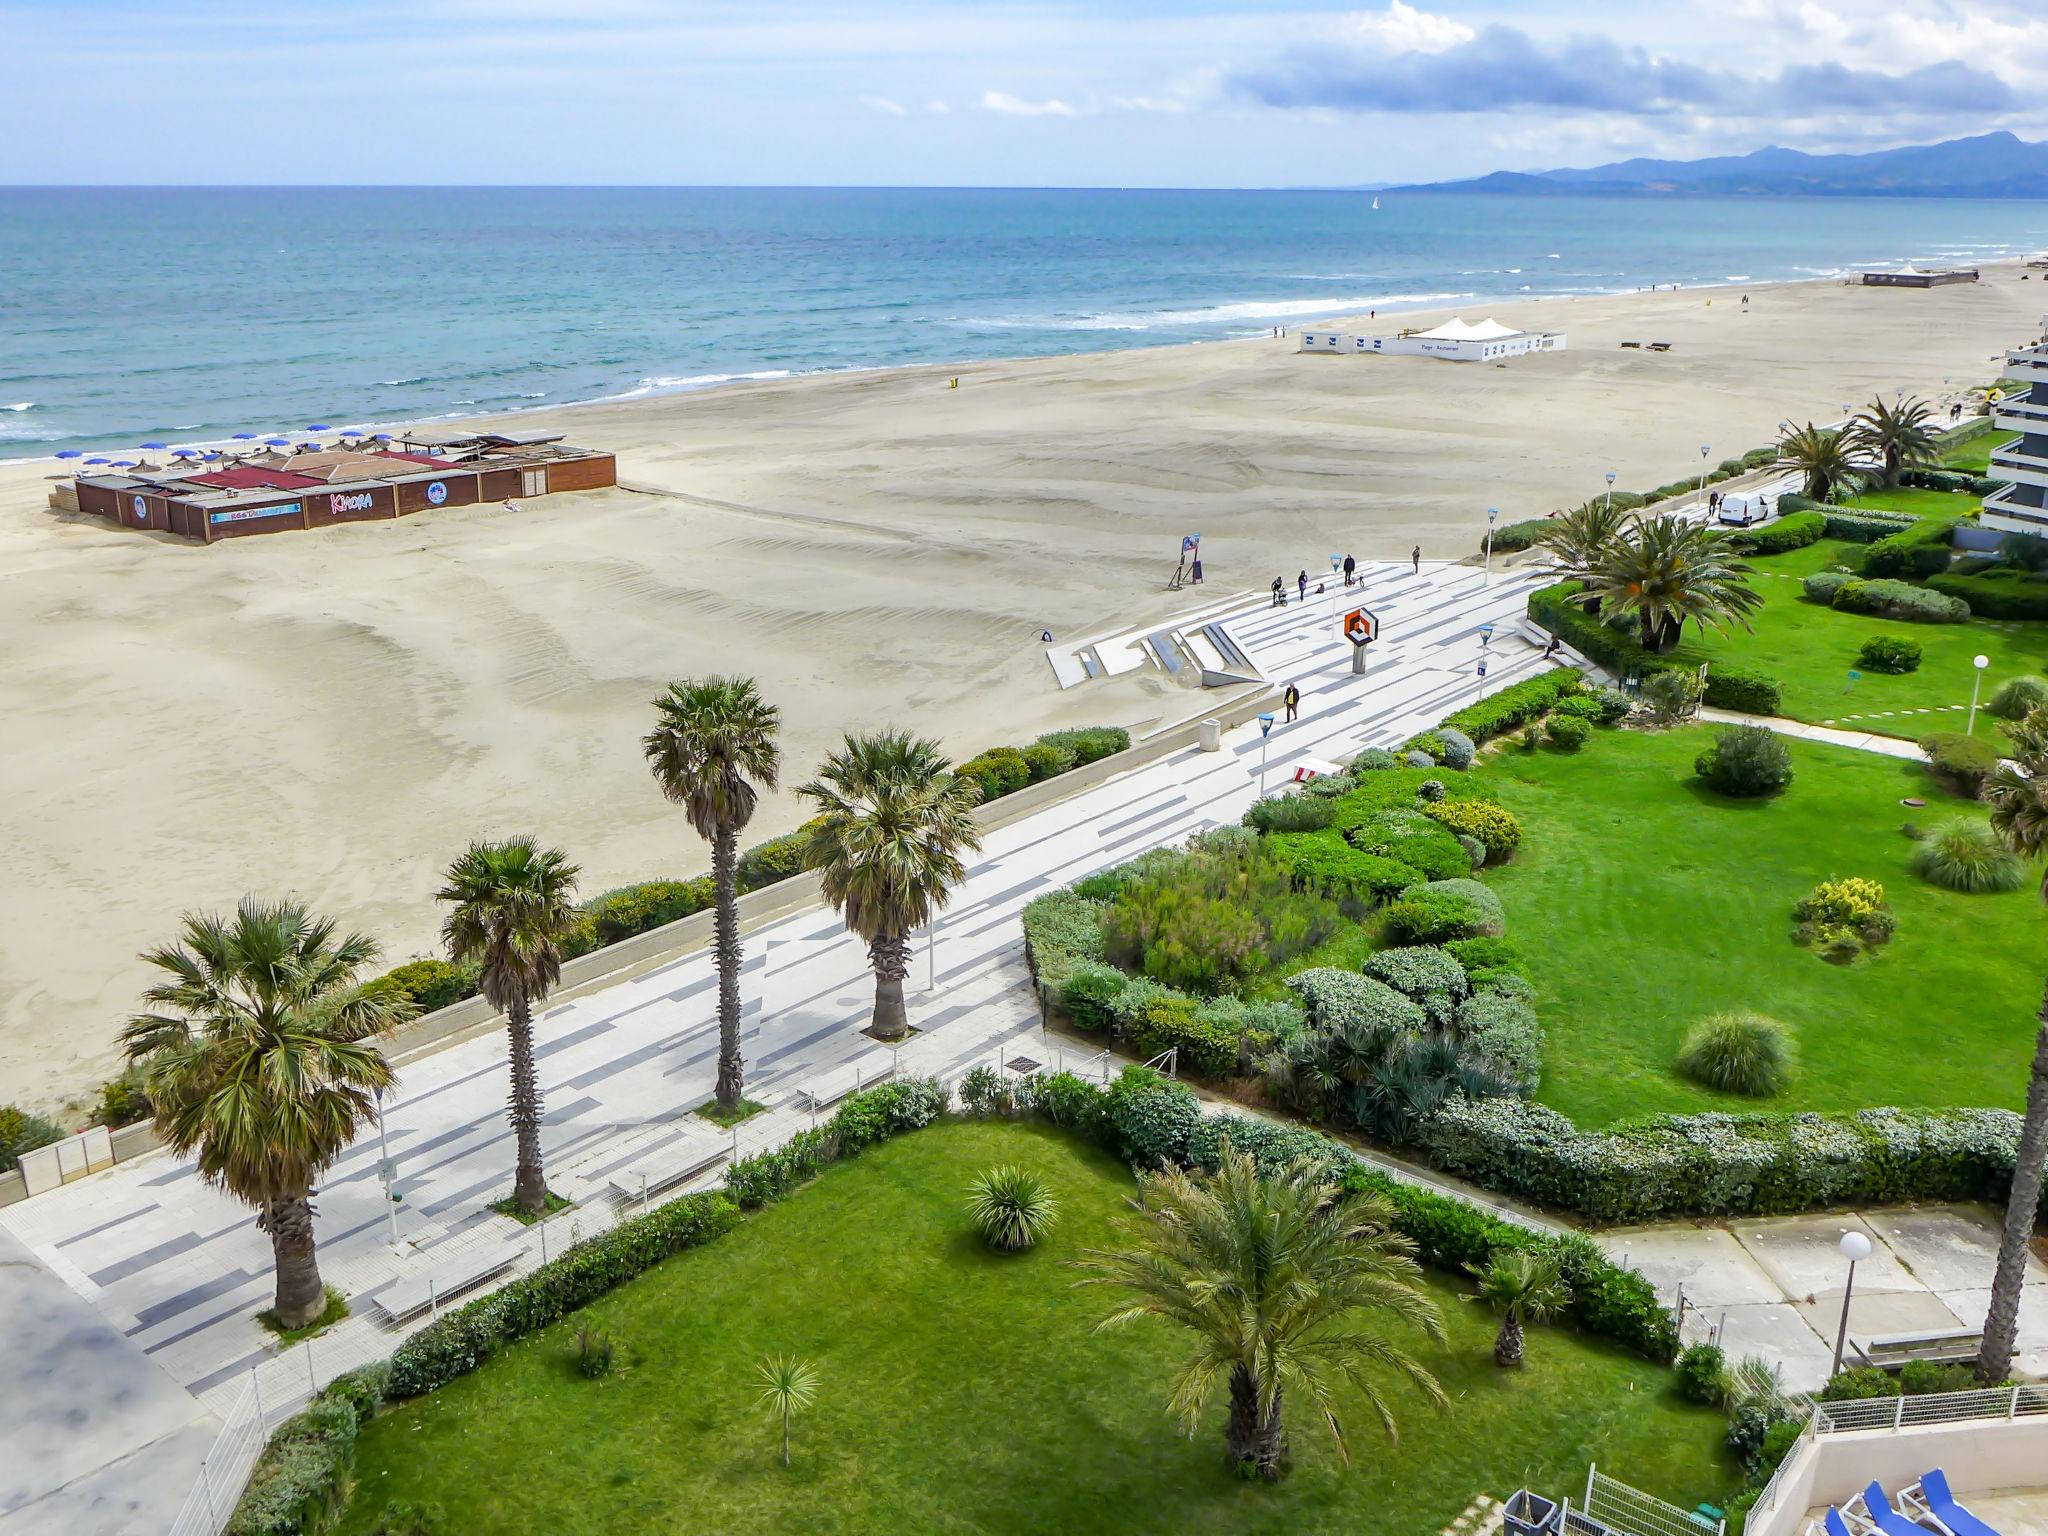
335 714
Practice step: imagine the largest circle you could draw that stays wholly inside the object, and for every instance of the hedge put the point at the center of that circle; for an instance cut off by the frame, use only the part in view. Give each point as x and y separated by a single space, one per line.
1886 598
1865 527
1512 537
1997 594
1728 686
1794 531
1003 771
1517 704
1960 482
1918 549
300 1482
23 1131
1723 1164
1326 863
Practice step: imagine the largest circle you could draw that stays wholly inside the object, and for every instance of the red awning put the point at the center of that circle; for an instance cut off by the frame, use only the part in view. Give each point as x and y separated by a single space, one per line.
251 477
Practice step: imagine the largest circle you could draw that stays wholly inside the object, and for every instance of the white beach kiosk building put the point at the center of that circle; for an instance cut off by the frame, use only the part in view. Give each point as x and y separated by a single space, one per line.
1455 340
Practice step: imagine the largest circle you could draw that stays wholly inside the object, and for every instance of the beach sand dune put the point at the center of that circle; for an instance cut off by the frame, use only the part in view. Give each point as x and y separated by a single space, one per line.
336 714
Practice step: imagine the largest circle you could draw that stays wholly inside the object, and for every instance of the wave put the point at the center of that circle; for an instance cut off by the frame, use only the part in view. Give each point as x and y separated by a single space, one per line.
1738 277
670 384
1213 314
25 405
418 378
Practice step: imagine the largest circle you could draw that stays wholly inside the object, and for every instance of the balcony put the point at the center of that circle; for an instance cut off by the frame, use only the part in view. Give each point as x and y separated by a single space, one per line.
2028 362
2016 509
2020 415
2019 464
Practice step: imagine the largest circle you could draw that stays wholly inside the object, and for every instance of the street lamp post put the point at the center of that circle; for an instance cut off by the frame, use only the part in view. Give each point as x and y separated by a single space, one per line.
1705 449
384 1171
1976 684
1336 568
1610 490
1492 517
1265 730
1854 1246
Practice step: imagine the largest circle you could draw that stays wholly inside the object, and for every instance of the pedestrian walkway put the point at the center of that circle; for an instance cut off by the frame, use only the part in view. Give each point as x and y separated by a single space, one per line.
1862 741
179 1270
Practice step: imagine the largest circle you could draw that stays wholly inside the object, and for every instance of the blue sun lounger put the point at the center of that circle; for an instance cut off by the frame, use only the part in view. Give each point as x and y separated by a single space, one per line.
1931 1500
1833 1523
1879 1515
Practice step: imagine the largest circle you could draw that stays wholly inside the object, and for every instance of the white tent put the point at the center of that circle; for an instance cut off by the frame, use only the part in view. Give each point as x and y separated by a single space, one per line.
1488 329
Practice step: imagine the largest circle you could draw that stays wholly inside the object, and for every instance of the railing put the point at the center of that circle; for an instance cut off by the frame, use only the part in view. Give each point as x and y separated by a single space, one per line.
225 1471
1612 1505
1932 1408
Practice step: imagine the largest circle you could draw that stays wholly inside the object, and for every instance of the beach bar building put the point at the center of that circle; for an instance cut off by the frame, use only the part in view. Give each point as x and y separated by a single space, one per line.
1456 341
2022 505
1910 276
355 482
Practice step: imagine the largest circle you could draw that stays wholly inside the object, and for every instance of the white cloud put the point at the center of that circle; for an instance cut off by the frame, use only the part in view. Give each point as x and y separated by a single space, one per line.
1012 106
937 108
884 104
1404 29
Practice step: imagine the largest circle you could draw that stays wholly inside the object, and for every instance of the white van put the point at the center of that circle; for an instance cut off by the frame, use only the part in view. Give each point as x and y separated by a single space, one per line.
1739 509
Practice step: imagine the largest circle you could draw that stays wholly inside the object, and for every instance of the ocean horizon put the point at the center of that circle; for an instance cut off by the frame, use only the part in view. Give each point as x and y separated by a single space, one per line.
189 314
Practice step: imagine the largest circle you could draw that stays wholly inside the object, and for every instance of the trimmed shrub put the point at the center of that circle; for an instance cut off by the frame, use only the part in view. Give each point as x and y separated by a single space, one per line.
1502 1032
1149 1118
1567 732
1701 1368
1789 531
1415 839
1964 761
1495 826
2018 697
1919 549
1206 1044
1900 600
432 984
21 1131
1291 813
1374 760
1613 704
1822 586
1964 854
778 859
1889 653
1857 526
1416 971
999 771
1089 743
1456 748
1997 594
635 909
1430 743
1478 955
1326 863
1444 910
1044 761
1743 689
1343 1000
1430 789
301 1479
1510 538
1418 759
1738 1053
1088 996
1746 762
767 1176
1270 1145
886 1110
1518 703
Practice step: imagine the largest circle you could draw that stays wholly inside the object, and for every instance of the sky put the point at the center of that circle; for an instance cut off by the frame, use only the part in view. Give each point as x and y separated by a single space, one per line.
1177 93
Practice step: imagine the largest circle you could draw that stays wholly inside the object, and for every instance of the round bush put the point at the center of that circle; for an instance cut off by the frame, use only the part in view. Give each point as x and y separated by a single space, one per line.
1822 586
1567 732
2018 696
1613 704
1496 827
1089 995
1888 653
1964 761
1701 1368
1044 761
1291 813
1475 850
1964 854
1430 789
1418 760
1374 760
1738 1053
1458 750
1444 910
1746 762
1012 1208
1415 970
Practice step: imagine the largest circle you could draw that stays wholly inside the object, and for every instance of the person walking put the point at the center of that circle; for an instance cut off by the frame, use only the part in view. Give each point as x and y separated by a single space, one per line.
1350 565
1301 583
1292 700
1416 556
1279 593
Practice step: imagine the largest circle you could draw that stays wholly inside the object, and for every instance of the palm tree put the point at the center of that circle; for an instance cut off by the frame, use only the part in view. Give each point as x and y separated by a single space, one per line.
1822 457
1278 1277
1666 570
2018 792
256 1055
787 1386
1576 542
712 736
891 829
1900 436
511 907
1523 1288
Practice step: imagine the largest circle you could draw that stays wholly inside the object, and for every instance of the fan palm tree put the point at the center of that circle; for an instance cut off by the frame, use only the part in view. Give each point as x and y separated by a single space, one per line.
1822 457
255 1053
1576 542
1522 1288
1280 1278
1899 436
510 907
2018 792
713 741
891 830
1666 570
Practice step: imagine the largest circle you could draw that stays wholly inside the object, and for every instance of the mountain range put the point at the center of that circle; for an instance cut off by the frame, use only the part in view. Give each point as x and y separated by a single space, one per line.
1991 165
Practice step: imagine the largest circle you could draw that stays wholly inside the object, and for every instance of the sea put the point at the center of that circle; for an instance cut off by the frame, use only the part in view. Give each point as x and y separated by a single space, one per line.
186 315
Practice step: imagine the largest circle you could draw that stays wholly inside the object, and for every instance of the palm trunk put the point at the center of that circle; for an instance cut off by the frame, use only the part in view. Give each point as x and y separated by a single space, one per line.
1257 1444
725 944
890 955
1507 1347
785 1437
300 1297
529 1181
2001 1325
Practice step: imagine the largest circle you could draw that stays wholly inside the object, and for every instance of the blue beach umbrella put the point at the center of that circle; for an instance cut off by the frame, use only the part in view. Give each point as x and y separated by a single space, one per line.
185 453
122 464
319 426
153 445
210 455
69 453
277 442
245 437
383 437
96 461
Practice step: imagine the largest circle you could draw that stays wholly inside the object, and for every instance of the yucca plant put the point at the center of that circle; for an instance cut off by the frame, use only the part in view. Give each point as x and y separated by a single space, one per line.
1964 854
1738 1053
788 1385
1012 1208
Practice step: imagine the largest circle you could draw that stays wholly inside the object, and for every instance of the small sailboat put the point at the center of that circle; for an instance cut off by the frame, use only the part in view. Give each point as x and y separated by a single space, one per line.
1375 204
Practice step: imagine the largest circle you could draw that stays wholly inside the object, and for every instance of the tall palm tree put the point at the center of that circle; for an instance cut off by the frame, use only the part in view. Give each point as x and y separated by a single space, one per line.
255 1052
511 905
891 830
1822 457
713 739
1899 436
1521 1288
1279 1278
2018 792
1666 570
1576 542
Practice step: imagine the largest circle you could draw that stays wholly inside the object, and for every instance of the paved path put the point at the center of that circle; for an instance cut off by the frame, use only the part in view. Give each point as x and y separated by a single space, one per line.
180 1271
1862 741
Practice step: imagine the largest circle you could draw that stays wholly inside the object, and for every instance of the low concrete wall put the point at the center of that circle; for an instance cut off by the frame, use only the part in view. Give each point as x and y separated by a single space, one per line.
1979 1456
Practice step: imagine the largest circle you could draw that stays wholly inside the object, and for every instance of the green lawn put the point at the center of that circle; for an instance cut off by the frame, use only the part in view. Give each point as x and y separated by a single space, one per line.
1641 902
1974 453
965 1392
1811 650
1918 502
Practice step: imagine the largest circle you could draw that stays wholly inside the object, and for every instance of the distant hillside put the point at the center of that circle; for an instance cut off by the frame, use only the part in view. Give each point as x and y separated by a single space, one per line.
1997 165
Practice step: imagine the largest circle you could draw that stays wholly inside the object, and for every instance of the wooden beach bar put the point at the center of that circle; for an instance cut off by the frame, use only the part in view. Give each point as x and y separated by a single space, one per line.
313 486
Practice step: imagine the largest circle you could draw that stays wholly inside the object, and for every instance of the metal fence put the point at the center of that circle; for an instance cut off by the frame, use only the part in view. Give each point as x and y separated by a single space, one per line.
1615 1506
225 1472
2017 1402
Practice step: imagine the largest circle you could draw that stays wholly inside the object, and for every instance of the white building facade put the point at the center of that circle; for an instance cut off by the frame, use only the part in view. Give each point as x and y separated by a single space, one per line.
2021 506
1454 341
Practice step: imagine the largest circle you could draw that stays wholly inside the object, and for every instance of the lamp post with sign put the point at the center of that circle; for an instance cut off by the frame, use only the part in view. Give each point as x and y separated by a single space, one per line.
1492 517
1265 730
1336 568
385 1172
1705 449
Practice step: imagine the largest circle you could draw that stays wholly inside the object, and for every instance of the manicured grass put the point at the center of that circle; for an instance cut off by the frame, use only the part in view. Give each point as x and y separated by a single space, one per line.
335 1310
1643 902
1920 503
1810 650
965 1391
1973 453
